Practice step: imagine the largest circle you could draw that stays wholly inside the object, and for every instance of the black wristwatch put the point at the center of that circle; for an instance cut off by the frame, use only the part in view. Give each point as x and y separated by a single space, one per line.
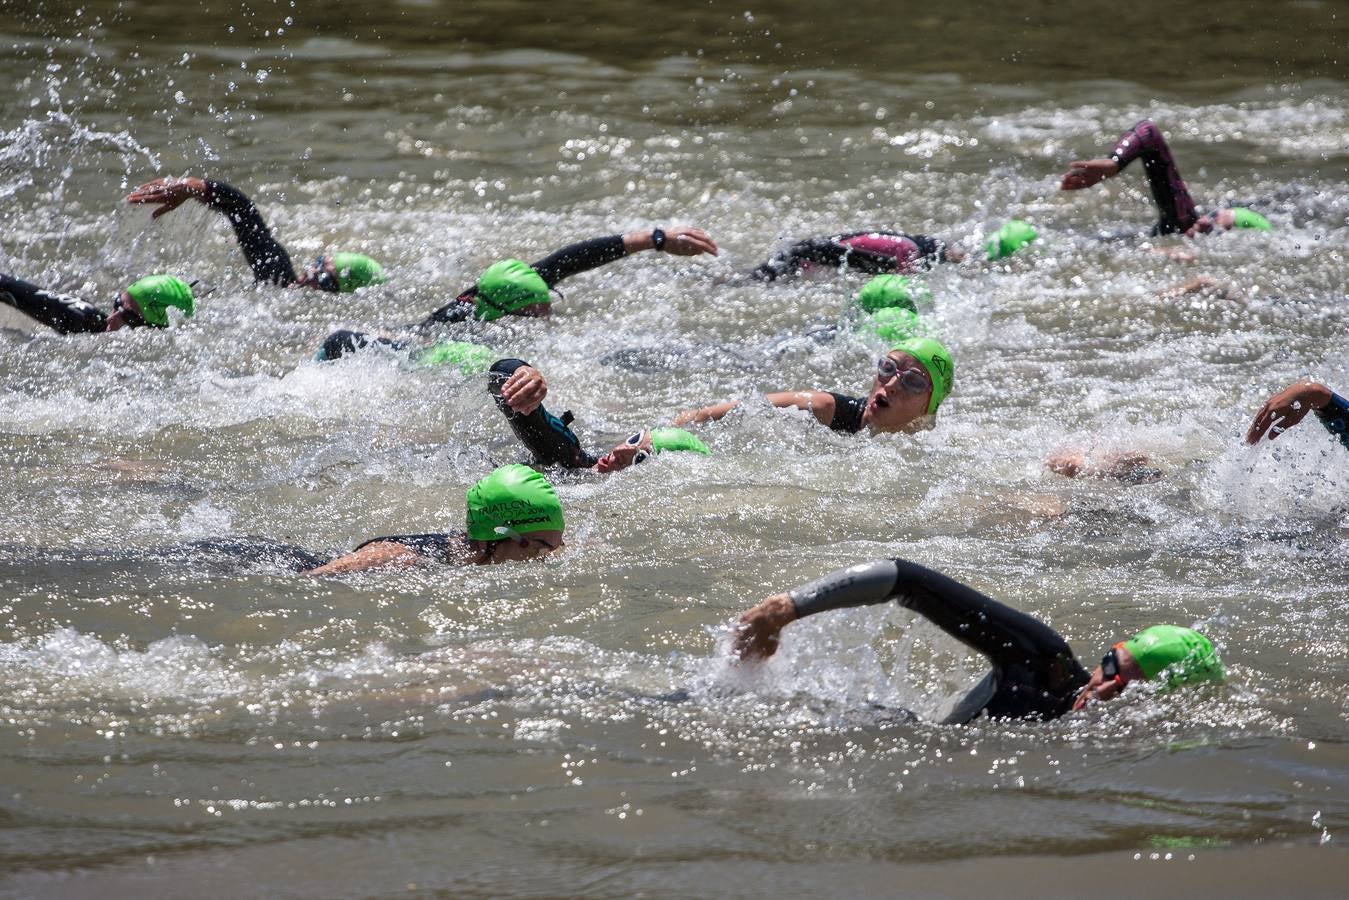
658 239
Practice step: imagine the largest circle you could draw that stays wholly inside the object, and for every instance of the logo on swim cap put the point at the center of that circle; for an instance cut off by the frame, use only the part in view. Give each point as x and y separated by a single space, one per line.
1183 655
508 286
937 360
155 294
677 439
355 271
471 359
892 325
514 497
1249 218
886 291
1010 238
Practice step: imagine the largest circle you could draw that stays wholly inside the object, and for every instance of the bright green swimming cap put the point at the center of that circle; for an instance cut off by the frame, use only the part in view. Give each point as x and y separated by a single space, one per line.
1249 218
1010 238
677 439
155 294
507 286
472 359
355 271
1185 655
513 497
885 291
937 360
893 324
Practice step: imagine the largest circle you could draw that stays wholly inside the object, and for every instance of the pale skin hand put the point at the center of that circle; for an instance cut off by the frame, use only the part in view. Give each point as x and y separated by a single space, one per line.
170 193
756 635
1100 689
1286 408
524 390
1083 173
679 241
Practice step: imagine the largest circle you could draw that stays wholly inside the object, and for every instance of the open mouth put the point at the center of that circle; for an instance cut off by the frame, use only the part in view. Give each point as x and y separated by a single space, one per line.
879 401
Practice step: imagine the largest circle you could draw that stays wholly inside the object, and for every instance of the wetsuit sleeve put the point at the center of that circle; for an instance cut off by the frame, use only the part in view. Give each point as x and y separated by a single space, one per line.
1008 637
847 413
62 312
1335 417
580 257
460 309
548 437
268 259
825 251
343 343
1144 141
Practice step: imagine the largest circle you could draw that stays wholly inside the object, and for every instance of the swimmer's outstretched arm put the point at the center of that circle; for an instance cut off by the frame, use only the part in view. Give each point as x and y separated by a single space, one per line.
1131 466
64 313
1005 635
268 259
820 403
1291 405
379 555
1143 141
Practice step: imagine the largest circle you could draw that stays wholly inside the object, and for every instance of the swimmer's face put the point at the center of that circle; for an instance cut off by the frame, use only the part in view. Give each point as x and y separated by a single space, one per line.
1104 687
900 394
632 451
126 313
535 545
320 275
1222 220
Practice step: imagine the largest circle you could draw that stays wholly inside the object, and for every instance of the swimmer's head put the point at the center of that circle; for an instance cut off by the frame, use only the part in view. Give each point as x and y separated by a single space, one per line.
641 445
469 358
147 301
936 360
511 287
1176 655
1009 239
893 291
1227 219
516 505
341 273
892 325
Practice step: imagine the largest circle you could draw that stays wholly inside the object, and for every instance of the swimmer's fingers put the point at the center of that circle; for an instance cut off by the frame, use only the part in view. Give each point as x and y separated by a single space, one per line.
1083 173
686 241
1287 408
524 390
168 193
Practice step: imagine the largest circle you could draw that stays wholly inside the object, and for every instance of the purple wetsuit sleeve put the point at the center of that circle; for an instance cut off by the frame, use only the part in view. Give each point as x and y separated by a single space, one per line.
268 259
1173 199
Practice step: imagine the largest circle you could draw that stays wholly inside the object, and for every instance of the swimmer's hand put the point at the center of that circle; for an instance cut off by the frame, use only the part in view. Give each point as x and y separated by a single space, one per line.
686 241
756 636
1286 408
1178 254
170 193
524 390
1083 173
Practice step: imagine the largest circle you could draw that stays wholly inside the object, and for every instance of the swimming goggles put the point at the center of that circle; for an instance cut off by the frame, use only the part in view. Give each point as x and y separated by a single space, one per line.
323 279
130 317
911 380
633 440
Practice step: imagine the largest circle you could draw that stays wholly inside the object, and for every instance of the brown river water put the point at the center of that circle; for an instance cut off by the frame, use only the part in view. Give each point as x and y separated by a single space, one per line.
178 719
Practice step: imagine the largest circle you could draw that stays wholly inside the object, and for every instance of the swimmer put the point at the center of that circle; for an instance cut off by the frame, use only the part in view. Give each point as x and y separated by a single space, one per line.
1291 405
1034 672
519 390
513 514
1178 214
335 273
142 303
911 381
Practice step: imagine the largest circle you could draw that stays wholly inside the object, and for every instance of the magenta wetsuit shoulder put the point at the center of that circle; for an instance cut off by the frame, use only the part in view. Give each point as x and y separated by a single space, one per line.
1173 199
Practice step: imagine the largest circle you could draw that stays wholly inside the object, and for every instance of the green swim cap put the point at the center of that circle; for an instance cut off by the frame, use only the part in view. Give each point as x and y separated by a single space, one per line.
1185 655
1010 238
893 324
886 291
355 271
937 360
1249 218
155 294
472 359
507 286
677 439
514 497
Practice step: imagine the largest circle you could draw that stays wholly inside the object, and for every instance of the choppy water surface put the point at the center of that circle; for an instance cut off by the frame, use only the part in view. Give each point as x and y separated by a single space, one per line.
171 714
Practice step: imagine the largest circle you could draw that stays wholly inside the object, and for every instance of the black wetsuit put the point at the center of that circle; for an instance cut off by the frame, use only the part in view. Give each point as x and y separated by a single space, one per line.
1035 674
64 313
847 413
266 257
548 437
1336 417
876 252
